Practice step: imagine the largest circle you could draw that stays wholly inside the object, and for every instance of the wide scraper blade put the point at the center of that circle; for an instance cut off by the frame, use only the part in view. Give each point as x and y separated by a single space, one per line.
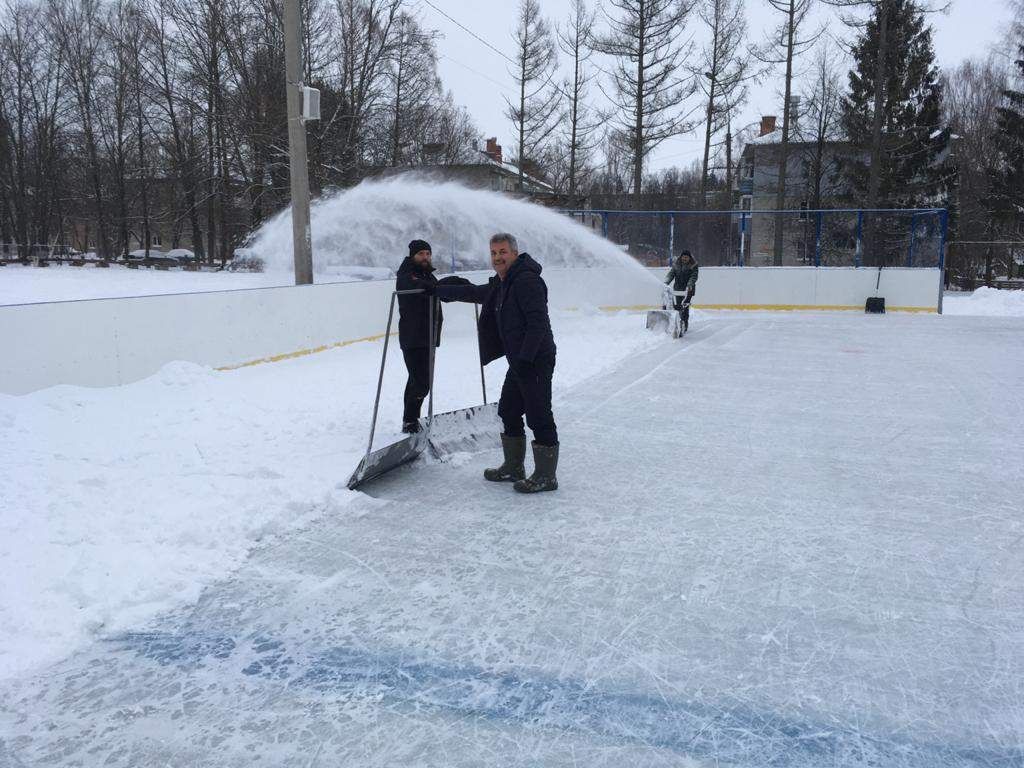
465 430
377 463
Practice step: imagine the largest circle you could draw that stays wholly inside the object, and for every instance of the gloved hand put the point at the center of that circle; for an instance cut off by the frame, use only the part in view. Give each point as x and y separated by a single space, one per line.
453 280
429 288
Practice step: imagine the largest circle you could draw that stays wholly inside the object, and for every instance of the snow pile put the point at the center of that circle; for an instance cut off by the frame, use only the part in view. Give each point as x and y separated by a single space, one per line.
117 504
372 224
990 302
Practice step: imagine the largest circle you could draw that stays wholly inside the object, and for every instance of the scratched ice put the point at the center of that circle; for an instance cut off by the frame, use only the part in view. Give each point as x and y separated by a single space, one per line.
783 541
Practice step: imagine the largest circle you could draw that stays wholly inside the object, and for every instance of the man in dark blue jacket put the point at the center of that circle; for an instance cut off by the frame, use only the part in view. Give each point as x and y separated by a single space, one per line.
514 322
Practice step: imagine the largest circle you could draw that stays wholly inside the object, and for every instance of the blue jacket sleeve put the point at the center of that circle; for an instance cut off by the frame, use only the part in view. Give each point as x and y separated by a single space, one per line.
532 297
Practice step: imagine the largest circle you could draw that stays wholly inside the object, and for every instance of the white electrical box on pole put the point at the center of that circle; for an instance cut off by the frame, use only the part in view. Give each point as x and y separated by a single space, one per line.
301 240
310 104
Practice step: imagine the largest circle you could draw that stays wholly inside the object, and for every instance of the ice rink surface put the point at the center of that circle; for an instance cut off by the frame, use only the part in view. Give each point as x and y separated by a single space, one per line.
785 540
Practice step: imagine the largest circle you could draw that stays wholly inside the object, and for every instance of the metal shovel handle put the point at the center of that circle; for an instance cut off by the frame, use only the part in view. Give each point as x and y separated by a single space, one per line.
483 381
384 357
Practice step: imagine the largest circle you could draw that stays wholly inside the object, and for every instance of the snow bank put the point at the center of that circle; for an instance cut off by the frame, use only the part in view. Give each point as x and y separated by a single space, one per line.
990 302
119 503
32 285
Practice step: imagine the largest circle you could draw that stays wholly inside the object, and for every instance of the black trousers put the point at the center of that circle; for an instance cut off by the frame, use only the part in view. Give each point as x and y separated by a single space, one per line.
527 391
684 311
417 363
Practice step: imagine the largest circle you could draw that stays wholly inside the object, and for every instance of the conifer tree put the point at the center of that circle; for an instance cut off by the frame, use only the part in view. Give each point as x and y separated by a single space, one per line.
892 112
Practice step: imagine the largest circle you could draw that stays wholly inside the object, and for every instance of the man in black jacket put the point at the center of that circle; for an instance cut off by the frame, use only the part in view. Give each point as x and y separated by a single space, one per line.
416 272
514 322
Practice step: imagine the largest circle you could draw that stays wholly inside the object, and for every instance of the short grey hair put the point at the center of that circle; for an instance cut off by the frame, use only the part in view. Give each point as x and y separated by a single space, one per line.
505 237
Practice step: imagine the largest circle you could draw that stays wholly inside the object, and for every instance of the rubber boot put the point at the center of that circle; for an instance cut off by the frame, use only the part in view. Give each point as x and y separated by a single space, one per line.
545 463
512 468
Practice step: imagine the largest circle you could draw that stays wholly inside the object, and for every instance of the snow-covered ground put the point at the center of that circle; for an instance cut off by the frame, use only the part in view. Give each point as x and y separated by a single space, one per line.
31 285
785 540
987 302
122 502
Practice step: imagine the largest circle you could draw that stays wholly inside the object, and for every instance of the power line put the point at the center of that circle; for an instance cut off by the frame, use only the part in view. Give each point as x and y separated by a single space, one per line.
503 86
494 48
468 31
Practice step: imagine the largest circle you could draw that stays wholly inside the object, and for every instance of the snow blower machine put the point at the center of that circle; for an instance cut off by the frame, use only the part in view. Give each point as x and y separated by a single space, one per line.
668 319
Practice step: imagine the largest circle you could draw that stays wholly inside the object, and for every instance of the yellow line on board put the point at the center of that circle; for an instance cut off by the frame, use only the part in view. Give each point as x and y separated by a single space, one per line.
625 308
778 308
300 353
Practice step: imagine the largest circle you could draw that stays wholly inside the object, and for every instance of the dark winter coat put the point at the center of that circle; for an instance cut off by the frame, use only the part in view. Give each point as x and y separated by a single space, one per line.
684 275
414 310
514 319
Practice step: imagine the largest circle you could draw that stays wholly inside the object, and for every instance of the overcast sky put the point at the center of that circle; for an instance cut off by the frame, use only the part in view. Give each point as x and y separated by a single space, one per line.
479 78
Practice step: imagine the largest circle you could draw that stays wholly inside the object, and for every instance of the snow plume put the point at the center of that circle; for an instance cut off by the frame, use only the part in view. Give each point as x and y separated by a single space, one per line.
371 225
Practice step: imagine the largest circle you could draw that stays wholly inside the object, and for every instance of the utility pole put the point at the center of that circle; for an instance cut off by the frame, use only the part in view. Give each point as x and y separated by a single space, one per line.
301 241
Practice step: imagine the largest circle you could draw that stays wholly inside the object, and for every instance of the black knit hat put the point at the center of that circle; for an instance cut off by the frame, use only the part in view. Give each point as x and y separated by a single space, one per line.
418 245
686 253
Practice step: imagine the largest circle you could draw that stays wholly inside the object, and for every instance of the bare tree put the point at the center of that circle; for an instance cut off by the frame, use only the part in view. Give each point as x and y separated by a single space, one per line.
414 84
534 111
820 124
973 94
575 40
31 116
366 42
79 30
723 70
649 80
784 45
176 120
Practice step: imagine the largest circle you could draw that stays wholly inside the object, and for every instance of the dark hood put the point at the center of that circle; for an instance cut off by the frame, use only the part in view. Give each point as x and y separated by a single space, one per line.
524 263
408 265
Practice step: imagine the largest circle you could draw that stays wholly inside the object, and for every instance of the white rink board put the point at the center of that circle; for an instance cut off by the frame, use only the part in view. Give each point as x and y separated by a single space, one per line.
105 342
814 287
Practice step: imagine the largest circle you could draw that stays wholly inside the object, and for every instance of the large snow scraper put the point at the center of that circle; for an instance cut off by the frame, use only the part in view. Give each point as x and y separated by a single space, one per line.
666 319
465 429
875 305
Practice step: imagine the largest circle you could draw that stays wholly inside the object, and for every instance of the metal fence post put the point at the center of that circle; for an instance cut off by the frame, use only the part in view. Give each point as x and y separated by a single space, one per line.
817 241
943 232
743 235
858 254
913 231
671 237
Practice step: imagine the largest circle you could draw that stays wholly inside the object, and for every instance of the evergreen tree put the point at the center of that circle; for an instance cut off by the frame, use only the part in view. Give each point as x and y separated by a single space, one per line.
903 142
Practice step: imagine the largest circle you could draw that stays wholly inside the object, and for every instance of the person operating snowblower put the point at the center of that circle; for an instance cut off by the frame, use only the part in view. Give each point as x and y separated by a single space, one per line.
683 277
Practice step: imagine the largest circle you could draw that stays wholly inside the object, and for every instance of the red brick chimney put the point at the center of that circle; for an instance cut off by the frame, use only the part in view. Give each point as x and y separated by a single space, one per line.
767 124
493 149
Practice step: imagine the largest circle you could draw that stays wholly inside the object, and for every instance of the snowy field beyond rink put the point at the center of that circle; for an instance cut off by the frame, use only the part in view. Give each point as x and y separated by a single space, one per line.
785 540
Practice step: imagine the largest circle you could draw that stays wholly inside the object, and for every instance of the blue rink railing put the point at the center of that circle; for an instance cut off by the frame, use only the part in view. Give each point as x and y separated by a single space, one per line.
850 237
